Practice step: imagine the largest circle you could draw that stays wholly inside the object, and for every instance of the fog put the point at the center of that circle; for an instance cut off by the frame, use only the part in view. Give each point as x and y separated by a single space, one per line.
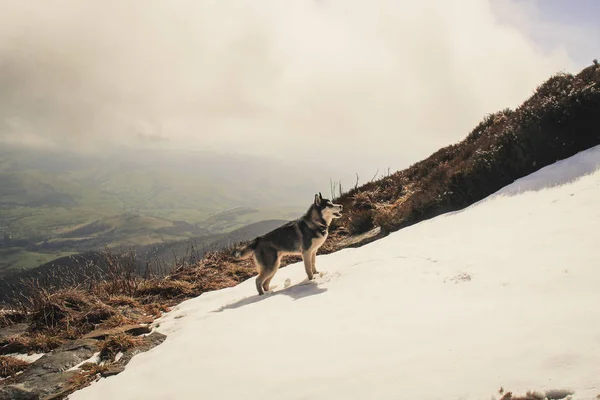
358 85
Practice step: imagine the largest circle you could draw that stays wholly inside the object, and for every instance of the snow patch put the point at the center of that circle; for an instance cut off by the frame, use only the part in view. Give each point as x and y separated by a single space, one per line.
560 173
30 358
94 359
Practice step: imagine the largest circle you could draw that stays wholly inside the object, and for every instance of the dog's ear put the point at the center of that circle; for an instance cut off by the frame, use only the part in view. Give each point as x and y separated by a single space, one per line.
317 200
320 197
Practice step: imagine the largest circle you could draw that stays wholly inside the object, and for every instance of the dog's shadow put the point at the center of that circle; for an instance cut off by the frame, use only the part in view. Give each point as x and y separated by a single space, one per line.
304 289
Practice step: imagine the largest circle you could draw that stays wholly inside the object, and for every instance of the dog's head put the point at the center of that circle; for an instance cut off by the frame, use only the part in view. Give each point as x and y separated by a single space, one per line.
327 209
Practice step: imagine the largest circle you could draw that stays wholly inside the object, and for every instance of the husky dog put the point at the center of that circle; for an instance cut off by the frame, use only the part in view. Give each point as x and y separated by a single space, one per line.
303 236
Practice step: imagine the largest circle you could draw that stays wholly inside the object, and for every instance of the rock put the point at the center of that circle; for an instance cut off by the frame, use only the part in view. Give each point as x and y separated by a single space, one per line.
557 394
17 392
113 370
48 378
49 374
133 329
148 342
361 239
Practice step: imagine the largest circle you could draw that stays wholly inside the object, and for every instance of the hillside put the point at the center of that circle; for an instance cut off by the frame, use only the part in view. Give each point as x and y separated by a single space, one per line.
506 288
561 119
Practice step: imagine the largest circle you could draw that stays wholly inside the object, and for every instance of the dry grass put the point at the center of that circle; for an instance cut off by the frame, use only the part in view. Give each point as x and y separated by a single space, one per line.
165 288
55 317
114 344
116 320
155 309
90 372
38 342
122 300
9 366
96 314
361 221
11 317
43 342
68 313
121 276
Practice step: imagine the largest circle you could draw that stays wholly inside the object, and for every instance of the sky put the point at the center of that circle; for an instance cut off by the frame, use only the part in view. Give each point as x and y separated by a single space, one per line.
350 84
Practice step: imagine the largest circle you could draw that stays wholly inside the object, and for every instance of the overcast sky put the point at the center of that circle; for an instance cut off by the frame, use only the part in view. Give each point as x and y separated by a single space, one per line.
358 84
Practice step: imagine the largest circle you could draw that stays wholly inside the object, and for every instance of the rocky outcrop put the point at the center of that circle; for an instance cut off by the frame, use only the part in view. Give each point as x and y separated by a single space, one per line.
51 377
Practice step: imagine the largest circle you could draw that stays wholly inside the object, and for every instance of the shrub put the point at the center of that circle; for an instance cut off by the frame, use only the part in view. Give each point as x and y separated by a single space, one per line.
361 221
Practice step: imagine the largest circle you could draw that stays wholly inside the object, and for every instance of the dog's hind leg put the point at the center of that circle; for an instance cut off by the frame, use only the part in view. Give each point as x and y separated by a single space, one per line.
262 273
269 263
267 282
275 269
307 258
260 280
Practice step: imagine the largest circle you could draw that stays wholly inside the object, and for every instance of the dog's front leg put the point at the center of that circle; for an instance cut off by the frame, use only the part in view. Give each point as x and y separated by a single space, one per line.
313 261
307 258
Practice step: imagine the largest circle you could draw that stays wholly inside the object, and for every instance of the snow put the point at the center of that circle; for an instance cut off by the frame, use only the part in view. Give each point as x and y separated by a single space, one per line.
30 358
94 359
502 294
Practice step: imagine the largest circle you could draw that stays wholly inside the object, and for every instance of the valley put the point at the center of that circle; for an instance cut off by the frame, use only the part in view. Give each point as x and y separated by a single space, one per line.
54 204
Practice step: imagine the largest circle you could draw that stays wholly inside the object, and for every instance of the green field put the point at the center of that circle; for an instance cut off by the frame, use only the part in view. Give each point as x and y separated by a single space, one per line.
15 259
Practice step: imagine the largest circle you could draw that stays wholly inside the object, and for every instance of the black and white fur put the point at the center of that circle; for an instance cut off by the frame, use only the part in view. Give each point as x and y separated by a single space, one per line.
303 236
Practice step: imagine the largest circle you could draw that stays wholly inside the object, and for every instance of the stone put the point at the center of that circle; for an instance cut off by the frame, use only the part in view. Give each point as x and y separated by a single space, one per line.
132 329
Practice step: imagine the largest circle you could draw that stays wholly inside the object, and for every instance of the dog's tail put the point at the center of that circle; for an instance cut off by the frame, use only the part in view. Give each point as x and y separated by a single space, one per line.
246 250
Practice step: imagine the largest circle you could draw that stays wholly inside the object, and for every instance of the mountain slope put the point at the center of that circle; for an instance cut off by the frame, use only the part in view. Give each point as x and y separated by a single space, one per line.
501 294
561 118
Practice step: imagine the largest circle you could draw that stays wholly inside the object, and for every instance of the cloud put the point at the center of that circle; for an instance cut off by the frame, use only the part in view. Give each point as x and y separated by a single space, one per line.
356 83
552 26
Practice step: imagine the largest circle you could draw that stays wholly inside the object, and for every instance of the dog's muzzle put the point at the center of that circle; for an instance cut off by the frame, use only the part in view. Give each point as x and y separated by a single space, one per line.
338 214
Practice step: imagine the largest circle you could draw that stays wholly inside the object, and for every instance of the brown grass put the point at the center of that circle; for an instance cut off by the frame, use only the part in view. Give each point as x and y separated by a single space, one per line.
155 309
9 366
165 288
361 221
38 342
122 300
110 347
116 320
11 317
96 314
89 373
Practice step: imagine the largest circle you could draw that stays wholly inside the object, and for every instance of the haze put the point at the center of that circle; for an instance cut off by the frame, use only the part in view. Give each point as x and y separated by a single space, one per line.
346 85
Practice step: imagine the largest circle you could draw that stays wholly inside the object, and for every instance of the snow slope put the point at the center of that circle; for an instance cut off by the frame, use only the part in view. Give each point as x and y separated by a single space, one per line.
505 293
